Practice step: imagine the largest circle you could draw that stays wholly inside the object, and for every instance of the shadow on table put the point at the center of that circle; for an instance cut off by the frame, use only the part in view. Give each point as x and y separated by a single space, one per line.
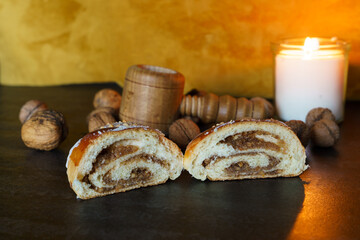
191 209
322 154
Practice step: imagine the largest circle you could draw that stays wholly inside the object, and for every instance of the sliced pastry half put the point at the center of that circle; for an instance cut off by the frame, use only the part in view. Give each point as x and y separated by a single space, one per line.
245 149
121 157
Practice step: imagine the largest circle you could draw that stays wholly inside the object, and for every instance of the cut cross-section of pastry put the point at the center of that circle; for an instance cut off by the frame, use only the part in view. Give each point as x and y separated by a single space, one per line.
121 157
245 149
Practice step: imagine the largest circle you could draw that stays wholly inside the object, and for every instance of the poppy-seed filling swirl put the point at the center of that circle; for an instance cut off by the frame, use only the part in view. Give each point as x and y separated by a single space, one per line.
104 176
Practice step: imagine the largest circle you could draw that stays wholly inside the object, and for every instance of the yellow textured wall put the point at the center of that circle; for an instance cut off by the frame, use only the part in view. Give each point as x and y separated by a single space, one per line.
220 46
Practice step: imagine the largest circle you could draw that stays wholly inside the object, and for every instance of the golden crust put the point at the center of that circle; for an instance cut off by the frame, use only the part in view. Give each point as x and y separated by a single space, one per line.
192 145
196 145
80 152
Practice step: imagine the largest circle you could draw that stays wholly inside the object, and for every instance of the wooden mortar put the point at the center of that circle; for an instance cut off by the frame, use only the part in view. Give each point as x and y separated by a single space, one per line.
152 96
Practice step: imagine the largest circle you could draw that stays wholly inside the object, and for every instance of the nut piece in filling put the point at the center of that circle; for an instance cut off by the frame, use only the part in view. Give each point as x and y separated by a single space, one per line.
113 152
245 149
240 168
139 176
249 139
121 157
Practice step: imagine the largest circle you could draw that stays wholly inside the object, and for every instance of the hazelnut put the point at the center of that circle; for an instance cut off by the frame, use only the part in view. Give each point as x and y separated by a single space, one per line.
29 108
301 130
325 133
107 98
44 130
100 119
182 131
317 114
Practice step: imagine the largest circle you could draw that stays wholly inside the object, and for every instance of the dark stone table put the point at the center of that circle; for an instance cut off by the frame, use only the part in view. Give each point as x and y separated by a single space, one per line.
37 202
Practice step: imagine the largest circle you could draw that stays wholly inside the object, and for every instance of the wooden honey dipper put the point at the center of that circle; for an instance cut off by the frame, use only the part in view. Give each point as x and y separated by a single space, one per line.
210 108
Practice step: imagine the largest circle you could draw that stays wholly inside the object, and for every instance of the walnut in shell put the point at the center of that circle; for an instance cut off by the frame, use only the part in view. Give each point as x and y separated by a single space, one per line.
316 114
107 98
182 131
29 108
100 119
301 130
44 130
108 110
325 133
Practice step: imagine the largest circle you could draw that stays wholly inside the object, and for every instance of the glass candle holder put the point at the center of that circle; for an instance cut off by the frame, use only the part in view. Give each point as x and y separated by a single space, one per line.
310 73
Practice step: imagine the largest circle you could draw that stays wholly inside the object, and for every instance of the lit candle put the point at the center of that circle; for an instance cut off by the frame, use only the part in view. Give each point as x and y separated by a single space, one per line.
310 75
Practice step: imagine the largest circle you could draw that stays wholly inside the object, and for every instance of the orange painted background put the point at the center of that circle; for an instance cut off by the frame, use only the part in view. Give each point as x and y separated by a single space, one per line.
219 46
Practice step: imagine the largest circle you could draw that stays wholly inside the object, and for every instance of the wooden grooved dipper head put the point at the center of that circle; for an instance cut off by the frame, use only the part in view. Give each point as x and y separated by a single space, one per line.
152 96
227 108
213 109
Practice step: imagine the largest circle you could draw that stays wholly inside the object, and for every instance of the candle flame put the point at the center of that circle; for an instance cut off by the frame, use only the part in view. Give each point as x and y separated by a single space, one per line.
311 44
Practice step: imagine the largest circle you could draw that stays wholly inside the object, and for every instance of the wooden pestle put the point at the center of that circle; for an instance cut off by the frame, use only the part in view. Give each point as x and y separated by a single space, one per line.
210 108
151 96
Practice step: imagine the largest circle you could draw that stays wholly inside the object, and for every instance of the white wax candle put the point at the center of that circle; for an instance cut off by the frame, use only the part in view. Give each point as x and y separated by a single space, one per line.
306 80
